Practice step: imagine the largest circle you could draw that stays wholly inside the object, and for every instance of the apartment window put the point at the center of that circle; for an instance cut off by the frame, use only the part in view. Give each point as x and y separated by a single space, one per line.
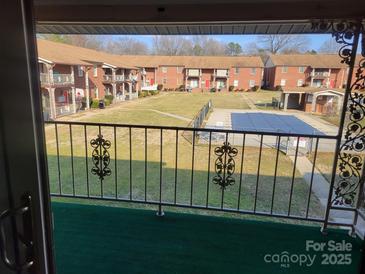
253 71
164 81
179 69
80 72
283 82
95 71
309 98
284 69
203 83
164 69
235 83
251 83
301 69
236 70
300 83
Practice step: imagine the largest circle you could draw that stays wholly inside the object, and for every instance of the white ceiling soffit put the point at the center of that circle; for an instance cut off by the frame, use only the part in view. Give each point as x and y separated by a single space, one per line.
174 29
164 17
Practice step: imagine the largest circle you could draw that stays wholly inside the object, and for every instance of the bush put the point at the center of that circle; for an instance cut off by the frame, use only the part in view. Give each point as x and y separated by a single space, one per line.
94 103
231 88
254 88
159 87
109 97
279 88
213 90
181 88
107 102
153 92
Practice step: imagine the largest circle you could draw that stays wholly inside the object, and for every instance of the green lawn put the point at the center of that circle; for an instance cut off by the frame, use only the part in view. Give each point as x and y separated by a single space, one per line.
141 111
186 105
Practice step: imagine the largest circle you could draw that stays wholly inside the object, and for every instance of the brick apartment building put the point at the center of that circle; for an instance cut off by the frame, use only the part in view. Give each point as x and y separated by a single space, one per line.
304 70
200 73
71 75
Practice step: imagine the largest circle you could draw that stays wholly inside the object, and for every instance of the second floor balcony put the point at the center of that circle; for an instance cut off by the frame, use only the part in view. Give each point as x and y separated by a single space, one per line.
57 80
319 74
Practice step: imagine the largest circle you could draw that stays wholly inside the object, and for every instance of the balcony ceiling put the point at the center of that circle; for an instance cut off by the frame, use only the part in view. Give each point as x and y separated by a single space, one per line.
164 17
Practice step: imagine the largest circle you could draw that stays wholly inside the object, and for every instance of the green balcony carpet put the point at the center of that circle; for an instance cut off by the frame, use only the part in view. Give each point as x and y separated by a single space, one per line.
96 240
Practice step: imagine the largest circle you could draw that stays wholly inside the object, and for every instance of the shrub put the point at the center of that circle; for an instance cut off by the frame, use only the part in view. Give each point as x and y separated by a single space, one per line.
159 87
213 90
153 92
231 88
279 88
181 88
109 97
94 103
254 88
107 102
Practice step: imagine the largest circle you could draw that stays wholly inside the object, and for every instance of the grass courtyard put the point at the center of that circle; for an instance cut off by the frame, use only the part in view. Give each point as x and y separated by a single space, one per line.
135 175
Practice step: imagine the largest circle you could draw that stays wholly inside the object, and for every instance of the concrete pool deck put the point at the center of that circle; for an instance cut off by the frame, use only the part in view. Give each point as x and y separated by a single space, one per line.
222 118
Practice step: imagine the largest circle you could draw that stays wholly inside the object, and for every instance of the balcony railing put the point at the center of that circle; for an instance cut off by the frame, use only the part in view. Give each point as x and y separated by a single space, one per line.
193 72
58 79
119 78
246 172
319 74
221 73
107 78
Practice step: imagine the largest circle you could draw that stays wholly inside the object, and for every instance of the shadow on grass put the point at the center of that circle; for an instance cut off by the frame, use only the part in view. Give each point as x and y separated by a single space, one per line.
129 180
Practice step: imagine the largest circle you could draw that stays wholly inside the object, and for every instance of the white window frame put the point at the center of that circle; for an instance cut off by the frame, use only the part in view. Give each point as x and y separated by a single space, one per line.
235 83
236 70
164 69
80 72
301 69
95 71
283 81
300 82
179 69
253 71
251 83
284 69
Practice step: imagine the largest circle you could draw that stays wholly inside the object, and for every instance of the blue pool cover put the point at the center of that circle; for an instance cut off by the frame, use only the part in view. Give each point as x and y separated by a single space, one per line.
269 122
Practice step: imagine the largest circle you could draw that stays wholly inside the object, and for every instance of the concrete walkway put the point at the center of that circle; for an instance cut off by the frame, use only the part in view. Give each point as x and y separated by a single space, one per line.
171 115
320 188
249 101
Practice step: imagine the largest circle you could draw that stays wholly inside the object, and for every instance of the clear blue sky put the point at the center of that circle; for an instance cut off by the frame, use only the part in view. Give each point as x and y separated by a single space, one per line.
316 40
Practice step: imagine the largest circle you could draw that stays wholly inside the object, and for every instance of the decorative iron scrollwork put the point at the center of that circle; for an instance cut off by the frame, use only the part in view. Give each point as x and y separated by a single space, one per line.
224 165
351 153
100 157
351 158
343 32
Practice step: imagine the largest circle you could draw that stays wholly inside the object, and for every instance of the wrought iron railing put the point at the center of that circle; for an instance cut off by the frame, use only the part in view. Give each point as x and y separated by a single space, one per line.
221 170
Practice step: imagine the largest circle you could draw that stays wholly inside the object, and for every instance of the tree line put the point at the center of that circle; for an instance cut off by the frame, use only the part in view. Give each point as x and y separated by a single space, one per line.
200 45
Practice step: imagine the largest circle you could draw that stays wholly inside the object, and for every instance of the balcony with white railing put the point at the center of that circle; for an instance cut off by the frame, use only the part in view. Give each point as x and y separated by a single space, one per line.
58 79
119 78
107 78
319 74
193 72
221 73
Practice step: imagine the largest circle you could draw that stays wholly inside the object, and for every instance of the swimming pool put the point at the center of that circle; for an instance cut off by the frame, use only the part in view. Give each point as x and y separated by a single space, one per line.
270 122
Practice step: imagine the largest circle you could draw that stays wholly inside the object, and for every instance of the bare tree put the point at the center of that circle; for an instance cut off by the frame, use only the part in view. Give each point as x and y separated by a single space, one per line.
283 43
171 45
126 45
205 45
329 46
85 41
